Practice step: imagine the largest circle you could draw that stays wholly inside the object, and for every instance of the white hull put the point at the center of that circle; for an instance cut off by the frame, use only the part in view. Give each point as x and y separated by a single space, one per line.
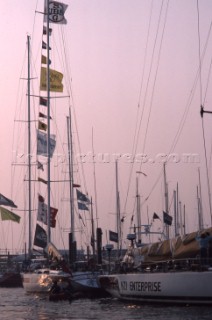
176 287
41 281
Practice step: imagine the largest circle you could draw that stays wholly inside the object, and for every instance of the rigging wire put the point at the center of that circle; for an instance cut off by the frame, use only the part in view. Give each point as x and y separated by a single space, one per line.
142 82
135 145
185 113
202 104
155 78
68 80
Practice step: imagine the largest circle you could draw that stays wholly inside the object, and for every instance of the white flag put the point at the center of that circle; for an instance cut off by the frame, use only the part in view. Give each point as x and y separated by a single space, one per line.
42 144
42 212
56 12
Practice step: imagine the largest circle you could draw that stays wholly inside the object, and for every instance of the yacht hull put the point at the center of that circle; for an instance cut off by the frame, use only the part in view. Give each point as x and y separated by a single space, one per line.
190 287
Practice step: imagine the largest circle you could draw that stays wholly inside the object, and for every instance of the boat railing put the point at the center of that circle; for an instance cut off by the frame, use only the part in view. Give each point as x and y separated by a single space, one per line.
174 265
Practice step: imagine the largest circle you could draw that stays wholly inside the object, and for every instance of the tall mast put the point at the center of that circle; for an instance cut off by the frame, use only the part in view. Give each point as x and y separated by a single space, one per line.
184 220
94 175
175 213
199 210
29 149
181 218
200 203
166 198
138 204
70 162
92 230
48 128
118 209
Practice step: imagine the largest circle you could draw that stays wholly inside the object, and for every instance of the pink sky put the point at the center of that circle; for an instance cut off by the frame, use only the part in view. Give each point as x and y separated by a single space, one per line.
106 41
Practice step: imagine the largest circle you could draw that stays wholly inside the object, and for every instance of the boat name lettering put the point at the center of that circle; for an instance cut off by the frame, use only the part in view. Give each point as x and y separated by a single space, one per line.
145 286
123 285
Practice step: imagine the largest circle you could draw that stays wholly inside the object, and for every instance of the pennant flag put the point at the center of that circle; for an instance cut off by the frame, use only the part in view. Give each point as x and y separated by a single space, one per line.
56 12
155 216
6 202
76 185
42 126
42 144
42 115
40 239
55 80
43 102
167 219
42 213
44 45
113 236
82 206
82 197
45 30
40 166
8 215
44 60
42 180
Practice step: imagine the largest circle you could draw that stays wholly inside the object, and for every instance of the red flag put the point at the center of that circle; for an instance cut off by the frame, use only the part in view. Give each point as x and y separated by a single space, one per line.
42 212
44 45
45 30
43 102
42 115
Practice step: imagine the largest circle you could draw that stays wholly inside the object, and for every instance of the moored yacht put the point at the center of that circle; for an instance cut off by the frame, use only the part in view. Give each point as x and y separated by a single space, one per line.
171 271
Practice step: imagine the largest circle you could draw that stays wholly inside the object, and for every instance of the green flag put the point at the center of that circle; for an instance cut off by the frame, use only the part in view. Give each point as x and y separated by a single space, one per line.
8 215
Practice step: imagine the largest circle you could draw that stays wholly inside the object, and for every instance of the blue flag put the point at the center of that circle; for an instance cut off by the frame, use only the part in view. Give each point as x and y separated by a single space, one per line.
82 197
82 206
40 239
113 236
167 219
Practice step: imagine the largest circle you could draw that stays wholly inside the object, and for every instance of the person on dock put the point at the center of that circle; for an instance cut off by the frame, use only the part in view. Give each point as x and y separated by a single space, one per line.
204 241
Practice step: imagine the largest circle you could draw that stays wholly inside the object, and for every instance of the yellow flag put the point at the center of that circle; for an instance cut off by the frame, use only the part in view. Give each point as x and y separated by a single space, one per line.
8 215
44 60
55 80
42 126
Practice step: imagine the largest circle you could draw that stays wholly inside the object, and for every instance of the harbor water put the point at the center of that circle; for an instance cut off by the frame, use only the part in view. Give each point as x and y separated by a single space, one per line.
16 304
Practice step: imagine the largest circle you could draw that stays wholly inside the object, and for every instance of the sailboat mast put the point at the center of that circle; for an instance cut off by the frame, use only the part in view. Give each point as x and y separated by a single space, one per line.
118 209
29 149
92 230
94 176
138 211
166 198
70 163
200 202
48 128
175 213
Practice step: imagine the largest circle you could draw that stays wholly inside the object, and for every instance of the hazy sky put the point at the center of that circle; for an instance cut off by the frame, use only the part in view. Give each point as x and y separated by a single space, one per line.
132 62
